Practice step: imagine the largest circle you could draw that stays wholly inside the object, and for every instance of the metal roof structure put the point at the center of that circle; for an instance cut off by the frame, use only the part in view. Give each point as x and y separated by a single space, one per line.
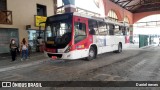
136 6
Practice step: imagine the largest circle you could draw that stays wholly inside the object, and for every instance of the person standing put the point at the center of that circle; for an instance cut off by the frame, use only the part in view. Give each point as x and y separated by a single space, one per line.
24 49
13 48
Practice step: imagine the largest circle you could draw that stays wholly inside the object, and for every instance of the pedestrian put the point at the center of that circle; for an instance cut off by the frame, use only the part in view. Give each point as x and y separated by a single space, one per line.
24 49
13 48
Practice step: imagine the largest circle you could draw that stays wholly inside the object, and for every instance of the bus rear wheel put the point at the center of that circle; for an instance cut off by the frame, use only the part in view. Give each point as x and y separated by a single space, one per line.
92 54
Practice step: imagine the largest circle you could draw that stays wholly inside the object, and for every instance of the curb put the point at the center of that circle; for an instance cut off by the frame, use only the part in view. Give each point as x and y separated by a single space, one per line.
19 57
22 65
147 46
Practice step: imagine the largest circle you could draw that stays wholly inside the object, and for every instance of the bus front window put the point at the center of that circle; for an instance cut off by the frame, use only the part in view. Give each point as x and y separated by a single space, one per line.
58 34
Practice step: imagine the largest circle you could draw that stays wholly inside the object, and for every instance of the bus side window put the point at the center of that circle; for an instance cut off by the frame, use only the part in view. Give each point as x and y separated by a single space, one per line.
93 27
117 30
128 31
102 28
111 29
124 31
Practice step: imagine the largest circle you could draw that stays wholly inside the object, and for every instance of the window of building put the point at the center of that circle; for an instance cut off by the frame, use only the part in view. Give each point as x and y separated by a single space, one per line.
3 5
41 10
112 15
126 20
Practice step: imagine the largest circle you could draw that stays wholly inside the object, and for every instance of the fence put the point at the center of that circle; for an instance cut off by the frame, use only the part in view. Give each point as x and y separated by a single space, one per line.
143 40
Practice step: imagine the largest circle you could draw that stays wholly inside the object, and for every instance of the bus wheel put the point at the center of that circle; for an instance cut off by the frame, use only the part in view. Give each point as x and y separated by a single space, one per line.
119 48
92 54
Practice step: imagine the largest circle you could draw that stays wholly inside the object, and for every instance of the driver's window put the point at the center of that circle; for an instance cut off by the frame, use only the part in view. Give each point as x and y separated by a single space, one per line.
80 29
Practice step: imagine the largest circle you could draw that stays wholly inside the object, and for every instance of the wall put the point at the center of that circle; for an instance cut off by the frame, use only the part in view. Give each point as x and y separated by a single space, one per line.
138 16
23 12
108 5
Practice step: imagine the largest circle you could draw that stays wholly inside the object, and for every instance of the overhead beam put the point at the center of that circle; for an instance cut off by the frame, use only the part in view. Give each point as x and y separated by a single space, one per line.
124 1
149 4
147 9
144 4
133 6
127 3
117 1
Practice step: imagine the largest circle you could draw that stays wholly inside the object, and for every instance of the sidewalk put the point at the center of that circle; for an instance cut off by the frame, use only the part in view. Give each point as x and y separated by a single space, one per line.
7 64
136 46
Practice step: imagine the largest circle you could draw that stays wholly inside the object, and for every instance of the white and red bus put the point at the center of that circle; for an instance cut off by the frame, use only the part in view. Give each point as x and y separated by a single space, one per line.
73 36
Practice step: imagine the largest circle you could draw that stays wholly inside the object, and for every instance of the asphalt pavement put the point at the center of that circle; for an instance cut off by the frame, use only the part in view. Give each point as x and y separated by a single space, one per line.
133 64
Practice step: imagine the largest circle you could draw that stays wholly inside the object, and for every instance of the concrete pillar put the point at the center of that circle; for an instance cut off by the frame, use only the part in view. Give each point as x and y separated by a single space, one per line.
69 8
69 5
131 33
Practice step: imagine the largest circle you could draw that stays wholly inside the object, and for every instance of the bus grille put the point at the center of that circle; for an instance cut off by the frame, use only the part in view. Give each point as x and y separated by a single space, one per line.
57 55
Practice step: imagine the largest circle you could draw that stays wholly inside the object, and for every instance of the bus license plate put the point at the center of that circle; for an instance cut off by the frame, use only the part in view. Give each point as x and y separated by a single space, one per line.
54 57
60 50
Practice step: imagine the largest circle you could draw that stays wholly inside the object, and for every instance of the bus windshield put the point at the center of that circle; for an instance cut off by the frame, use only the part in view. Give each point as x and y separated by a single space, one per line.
59 33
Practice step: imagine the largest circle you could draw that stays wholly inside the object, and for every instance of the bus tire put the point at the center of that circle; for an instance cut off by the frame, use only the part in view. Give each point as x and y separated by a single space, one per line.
119 48
92 54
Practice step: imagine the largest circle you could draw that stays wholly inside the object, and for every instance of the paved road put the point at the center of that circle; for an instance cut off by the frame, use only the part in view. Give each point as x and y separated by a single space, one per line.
130 65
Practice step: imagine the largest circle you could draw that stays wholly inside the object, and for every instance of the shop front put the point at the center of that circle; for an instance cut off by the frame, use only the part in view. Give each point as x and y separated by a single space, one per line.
33 39
36 37
6 34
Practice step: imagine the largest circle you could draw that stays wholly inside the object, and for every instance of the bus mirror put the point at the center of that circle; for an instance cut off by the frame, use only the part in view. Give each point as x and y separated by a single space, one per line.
40 25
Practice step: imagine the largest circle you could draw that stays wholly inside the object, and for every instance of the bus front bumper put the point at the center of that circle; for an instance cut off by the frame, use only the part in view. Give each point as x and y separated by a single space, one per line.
76 54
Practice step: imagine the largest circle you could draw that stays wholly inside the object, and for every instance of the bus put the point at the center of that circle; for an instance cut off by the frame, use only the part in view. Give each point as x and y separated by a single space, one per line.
72 36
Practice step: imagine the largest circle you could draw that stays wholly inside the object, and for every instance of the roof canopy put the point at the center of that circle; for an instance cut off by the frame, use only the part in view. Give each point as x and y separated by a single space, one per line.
136 6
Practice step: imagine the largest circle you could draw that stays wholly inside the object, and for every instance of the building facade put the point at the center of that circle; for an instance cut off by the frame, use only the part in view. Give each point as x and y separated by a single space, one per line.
18 20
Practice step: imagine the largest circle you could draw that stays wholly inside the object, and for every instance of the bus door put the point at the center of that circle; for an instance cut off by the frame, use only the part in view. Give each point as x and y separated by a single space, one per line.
81 37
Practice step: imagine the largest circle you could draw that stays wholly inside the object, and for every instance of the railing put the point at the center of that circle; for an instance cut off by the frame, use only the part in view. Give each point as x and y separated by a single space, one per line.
87 12
111 19
147 24
61 10
6 17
